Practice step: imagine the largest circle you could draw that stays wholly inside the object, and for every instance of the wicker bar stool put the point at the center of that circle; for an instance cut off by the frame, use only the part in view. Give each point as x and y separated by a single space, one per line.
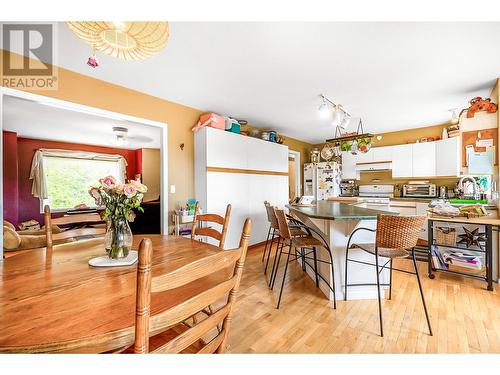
274 234
308 245
396 237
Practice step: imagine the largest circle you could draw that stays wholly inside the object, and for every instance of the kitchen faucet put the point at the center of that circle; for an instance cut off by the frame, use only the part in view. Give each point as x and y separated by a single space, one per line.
474 186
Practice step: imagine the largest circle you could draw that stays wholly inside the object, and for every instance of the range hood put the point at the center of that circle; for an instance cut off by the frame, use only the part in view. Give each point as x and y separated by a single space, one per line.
374 166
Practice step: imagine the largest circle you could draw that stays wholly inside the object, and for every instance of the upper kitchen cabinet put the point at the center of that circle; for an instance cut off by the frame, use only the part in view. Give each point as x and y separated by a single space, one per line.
382 154
349 166
402 161
448 157
424 159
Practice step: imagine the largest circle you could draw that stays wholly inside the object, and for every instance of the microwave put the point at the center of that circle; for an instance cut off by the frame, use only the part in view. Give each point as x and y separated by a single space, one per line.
419 190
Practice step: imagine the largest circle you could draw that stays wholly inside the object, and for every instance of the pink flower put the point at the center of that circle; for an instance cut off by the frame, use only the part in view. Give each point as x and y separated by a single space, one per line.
138 186
94 193
108 182
129 190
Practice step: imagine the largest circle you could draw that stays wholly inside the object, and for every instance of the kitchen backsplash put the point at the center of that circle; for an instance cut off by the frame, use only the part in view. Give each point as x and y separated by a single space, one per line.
386 178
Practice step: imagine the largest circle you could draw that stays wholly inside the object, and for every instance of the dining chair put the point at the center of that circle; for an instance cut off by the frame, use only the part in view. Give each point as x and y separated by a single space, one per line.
309 245
206 230
164 331
77 220
396 237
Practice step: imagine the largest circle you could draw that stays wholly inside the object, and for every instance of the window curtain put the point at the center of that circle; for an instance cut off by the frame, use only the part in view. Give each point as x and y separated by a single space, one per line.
39 185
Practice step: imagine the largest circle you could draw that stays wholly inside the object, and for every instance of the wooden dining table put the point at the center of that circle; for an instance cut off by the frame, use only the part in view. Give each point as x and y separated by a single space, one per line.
54 302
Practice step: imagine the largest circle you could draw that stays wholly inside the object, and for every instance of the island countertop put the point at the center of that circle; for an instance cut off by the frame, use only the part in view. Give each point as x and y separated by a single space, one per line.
329 210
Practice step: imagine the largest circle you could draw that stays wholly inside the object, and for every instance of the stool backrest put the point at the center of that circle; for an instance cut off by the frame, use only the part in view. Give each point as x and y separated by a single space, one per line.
282 224
196 230
398 232
271 216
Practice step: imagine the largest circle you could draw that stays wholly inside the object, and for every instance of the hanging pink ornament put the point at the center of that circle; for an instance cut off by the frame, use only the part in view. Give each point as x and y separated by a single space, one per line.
92 61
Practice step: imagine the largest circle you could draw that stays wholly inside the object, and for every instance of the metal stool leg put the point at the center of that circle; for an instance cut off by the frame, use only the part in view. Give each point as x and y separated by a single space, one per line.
421 291
390 280
315 266
345 273
274 273
378 292
303 256
275 258
265 247
270 250
333 279
284 275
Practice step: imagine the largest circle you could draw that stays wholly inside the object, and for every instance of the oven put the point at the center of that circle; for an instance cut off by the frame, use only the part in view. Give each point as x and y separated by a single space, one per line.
419 190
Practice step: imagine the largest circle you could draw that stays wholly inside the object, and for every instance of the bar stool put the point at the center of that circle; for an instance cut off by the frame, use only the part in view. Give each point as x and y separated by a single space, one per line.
308 245
272 235
396 237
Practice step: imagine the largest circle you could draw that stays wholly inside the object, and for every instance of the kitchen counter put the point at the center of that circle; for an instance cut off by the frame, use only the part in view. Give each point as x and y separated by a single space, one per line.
331 210
336 221
412 199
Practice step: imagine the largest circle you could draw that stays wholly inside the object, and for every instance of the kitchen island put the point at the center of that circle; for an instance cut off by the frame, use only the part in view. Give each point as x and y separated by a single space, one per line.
336 221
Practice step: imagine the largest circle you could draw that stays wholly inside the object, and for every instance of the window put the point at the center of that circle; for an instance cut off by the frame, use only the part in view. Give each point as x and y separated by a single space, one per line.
68 180
62 178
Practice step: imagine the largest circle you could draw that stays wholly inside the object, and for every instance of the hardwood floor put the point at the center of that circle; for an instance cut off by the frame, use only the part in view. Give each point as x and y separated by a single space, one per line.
464 315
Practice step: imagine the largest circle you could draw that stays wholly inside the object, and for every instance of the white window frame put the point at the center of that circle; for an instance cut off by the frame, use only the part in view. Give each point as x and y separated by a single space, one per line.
81 156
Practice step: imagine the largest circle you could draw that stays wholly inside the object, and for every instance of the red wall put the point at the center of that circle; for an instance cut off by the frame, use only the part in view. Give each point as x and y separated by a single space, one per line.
28 207
10 177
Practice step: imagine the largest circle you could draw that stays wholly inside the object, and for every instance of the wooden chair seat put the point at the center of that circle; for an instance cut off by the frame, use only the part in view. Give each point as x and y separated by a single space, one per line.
383 252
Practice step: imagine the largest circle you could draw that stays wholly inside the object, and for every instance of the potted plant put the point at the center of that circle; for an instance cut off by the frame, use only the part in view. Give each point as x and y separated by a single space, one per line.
119 202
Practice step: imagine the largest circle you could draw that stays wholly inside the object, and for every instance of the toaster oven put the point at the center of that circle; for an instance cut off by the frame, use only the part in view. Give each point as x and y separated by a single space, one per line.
419 190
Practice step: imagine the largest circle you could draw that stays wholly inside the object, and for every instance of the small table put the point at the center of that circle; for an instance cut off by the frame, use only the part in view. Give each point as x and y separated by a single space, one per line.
54 302
490 224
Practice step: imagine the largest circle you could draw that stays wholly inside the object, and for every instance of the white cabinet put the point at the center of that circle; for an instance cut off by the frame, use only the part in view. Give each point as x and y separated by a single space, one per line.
422 208
265 156
244 190
348 166
402 165
448 157
424 159
367 157
227 150
382 154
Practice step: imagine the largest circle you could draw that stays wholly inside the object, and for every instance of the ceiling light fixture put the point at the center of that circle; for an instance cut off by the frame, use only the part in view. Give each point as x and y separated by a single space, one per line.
120 136
125 40
335 111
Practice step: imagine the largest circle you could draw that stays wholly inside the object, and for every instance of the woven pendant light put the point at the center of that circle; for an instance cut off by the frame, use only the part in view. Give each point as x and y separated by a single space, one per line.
125 40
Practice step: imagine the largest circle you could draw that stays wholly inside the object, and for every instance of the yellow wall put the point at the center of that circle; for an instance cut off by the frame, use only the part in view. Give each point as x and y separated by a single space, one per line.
151 172
86 90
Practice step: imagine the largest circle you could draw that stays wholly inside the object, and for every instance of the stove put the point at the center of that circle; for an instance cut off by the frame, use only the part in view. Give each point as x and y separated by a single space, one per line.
376 195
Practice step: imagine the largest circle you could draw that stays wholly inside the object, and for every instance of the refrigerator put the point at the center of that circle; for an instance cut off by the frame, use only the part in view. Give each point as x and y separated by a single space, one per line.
322 180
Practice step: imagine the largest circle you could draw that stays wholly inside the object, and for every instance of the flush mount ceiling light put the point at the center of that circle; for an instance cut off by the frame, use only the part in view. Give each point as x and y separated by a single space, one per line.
120 136
125 40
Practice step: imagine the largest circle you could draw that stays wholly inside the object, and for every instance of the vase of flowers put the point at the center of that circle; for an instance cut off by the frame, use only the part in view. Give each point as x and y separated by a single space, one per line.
119 202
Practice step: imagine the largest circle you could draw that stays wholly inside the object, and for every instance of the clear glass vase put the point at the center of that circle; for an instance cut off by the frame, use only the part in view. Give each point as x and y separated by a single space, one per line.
118 238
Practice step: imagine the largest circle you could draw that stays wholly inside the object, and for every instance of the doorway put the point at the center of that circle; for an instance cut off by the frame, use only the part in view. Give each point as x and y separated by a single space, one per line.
294 176
41 123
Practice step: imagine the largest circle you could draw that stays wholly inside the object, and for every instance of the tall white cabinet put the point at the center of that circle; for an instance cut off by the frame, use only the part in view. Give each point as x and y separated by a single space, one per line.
242 171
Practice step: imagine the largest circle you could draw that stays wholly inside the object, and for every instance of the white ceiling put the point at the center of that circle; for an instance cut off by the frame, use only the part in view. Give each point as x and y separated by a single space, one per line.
38 121
393 75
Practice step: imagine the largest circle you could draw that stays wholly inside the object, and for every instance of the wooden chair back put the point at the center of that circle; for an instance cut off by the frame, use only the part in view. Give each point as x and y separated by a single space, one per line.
271 215
282 224
198 230
226 288
92 218
398 232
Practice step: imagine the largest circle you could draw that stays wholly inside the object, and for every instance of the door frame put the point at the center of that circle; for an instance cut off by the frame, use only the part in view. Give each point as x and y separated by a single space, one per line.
63 104
298 169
